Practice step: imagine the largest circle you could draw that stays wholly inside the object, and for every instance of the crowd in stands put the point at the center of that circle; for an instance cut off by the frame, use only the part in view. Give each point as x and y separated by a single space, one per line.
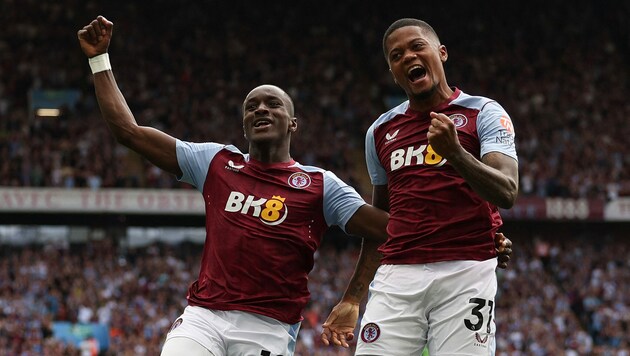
560 72
565 294
561 295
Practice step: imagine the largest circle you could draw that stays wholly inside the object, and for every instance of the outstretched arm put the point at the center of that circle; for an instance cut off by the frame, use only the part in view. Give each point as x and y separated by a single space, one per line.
156 146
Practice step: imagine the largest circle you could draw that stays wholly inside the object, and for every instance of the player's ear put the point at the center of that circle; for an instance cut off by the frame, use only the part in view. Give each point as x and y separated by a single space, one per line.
443 53
293 124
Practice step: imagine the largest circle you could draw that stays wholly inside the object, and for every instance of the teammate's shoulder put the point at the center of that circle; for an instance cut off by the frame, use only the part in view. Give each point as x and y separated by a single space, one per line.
390 114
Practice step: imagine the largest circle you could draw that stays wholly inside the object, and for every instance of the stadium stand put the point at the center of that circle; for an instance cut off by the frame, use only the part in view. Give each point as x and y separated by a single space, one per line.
561 74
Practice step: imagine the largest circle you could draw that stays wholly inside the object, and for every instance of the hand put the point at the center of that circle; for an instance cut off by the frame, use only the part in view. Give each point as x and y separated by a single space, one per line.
503 246
442 136
95 37
340 324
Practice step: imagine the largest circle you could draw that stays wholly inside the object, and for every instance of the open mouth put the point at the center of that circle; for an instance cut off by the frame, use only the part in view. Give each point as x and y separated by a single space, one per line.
416 73
261 123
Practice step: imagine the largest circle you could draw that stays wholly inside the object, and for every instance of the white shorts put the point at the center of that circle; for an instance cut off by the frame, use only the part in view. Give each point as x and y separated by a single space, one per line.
233 332
447 306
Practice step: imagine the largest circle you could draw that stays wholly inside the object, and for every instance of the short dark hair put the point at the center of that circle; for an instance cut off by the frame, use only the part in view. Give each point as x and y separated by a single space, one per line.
404 23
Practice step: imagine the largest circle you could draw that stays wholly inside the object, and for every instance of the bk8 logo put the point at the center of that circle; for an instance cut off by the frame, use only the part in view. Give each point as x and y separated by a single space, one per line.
412 156
270 211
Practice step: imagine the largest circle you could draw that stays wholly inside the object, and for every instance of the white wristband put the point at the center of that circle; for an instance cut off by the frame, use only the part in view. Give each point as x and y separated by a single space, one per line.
100 63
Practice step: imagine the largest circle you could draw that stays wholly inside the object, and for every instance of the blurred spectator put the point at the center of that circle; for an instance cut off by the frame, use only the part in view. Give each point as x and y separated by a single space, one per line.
576 303
564 83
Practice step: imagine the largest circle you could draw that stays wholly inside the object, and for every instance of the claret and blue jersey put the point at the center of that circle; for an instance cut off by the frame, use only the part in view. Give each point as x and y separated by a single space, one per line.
435 214
264 222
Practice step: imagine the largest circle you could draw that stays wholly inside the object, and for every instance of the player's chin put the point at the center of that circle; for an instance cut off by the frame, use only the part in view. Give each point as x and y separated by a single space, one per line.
263 138
261 134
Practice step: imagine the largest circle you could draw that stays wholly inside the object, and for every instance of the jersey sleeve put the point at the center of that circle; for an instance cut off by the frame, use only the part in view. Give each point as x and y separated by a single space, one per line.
194 160
496 132
341 201
377 173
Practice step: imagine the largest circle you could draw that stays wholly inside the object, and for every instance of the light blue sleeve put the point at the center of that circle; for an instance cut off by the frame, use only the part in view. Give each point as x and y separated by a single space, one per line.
341 201
496 132
377 173
194 160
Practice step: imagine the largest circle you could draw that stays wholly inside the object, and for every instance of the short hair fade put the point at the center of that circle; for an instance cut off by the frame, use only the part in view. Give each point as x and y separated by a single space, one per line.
404 22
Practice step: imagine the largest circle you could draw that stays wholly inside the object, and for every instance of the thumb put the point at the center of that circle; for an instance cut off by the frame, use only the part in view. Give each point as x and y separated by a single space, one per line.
499 237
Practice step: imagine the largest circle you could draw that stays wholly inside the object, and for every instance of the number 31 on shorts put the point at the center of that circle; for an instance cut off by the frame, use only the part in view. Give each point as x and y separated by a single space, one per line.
475 325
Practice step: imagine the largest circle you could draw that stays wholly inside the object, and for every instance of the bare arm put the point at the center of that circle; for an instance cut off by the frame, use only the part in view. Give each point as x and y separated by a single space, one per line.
339 326
156 146
369 258
369 223
494 178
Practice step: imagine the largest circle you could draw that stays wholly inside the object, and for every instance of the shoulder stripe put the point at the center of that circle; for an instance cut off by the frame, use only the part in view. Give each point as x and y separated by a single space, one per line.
310 169
400 109
471 102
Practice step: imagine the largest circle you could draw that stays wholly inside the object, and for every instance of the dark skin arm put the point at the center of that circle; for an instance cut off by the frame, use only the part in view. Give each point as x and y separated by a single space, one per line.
369 258
339 326
156 146
494 178
369 222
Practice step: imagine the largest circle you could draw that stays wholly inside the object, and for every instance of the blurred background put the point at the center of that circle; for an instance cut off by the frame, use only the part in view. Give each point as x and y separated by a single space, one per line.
97 247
